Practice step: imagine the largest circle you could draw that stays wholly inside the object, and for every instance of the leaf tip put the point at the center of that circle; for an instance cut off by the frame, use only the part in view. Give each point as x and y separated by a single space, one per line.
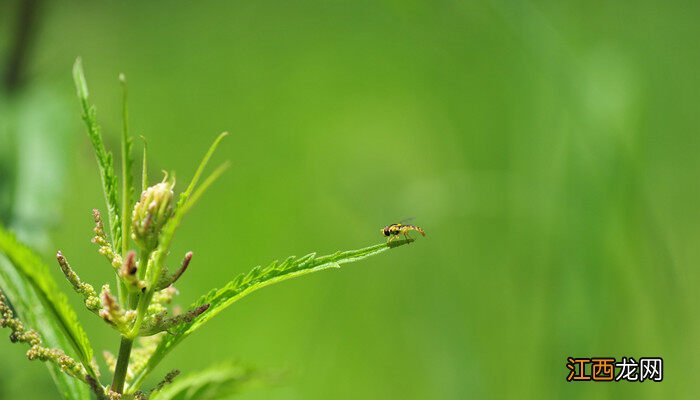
78 64
79 78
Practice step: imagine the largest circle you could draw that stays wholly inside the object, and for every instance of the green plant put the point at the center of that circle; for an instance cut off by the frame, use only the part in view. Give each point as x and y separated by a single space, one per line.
136 245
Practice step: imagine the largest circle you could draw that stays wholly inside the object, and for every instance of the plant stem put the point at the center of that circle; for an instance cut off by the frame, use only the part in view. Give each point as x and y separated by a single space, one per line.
122 364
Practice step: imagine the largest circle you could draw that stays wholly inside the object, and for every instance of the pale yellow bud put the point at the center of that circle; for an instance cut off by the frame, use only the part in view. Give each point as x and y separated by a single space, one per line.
150 214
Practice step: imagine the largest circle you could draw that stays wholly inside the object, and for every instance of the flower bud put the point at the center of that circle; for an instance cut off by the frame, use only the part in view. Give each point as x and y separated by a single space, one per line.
151 212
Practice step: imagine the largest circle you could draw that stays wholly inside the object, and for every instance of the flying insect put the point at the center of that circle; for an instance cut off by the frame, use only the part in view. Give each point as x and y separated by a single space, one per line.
394 230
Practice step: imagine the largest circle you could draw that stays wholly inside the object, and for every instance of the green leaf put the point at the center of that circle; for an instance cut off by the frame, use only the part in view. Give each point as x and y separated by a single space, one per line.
144 166
127 185
257 278
127 168
36 274
104 158
212 383
29 308
186 200
200 168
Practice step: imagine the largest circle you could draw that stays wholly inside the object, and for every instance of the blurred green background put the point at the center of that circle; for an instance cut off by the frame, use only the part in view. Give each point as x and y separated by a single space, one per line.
549 149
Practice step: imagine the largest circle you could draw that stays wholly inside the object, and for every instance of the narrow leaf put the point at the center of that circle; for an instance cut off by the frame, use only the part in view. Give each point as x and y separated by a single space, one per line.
104 158
187 199
144 165
30 309
243 285
127 185
127 167
34 271
203 163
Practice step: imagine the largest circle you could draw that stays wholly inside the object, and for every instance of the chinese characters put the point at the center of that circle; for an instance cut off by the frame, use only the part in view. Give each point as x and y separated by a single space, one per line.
606 369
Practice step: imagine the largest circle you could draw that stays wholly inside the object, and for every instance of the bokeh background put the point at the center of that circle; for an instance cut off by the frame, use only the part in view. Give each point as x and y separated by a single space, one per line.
549 149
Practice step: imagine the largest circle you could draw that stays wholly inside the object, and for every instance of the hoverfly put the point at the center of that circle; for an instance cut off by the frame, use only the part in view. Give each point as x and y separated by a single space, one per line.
394 230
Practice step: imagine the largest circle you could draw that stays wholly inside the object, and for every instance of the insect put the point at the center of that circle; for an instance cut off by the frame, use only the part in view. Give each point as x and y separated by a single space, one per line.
394 230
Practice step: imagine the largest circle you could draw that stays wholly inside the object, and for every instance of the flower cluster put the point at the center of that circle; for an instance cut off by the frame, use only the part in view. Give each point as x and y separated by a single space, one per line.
36 350
140 307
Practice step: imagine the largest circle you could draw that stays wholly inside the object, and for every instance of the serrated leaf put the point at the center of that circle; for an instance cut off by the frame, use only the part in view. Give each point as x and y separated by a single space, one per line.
29 308
104 158
36 274
243 285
